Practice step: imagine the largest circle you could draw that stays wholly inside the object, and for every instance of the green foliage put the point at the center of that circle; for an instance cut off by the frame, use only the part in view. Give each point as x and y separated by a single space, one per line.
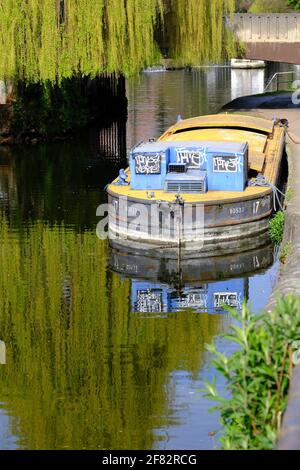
242 6
46 110
197 31
286 251
51 40
258 375
276 227
295 4
265 6
289 194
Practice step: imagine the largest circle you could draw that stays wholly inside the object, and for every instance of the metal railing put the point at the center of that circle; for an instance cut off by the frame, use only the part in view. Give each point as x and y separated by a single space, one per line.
278 82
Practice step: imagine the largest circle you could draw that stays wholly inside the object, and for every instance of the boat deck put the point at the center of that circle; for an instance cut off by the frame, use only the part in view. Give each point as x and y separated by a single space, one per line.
212 197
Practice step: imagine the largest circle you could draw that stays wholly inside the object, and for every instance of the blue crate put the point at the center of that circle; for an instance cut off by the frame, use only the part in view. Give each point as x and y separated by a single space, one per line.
226 163
227 167
192 154
148 165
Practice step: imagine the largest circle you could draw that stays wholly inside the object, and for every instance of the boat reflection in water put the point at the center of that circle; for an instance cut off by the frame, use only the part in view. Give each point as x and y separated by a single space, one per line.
149 297
160 286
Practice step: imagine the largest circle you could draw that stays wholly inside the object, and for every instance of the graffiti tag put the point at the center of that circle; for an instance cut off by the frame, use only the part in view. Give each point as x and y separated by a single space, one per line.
192 158
227 164
148 164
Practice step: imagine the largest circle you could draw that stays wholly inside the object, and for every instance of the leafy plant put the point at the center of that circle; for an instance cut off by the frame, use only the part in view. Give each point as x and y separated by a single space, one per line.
286 250
289 194
276 227
265 6
295 4
242 6
258 375
44 110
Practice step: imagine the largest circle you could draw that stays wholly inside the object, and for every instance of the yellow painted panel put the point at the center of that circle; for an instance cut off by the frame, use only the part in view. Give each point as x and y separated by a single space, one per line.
257 161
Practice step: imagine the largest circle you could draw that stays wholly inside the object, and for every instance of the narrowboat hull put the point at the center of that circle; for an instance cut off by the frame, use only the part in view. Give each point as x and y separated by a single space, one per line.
227 227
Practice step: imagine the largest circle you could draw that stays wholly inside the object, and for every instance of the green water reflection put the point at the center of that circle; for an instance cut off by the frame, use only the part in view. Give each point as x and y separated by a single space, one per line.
83 371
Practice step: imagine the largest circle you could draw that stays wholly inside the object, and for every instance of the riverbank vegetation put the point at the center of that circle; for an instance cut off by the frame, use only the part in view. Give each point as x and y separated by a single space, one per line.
265 6
276 227
295 4
275 6
258 375
286 250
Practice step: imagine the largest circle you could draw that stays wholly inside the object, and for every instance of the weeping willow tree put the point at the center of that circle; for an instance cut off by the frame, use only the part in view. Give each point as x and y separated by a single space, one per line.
59 38
55 39
198 31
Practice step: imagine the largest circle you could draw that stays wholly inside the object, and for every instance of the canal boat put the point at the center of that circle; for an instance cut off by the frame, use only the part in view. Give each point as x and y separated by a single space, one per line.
207 186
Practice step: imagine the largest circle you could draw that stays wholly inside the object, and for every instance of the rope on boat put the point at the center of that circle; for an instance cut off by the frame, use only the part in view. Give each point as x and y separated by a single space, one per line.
285 123
262 181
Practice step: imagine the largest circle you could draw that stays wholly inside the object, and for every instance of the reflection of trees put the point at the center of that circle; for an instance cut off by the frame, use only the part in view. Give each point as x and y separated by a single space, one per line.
82 370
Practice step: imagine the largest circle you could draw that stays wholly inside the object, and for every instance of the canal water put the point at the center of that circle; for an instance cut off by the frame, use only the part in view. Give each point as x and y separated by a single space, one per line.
100 350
